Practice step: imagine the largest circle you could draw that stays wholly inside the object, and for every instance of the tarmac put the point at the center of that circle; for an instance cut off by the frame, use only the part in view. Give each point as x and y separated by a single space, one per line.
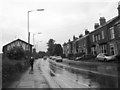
32 79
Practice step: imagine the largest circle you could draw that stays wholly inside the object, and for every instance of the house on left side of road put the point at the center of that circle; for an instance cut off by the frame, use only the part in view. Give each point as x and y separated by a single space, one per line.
17 43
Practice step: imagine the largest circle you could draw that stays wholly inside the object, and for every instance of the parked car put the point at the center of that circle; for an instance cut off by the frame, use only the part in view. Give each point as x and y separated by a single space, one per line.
85 57
58 59
105 57
79 58
53 57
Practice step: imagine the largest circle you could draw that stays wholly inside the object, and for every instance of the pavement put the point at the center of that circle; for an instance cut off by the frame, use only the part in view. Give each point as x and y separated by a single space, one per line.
32 79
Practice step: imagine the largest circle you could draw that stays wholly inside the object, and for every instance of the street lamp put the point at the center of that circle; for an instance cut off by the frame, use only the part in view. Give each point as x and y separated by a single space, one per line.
34 38
37 45
28 26
28 22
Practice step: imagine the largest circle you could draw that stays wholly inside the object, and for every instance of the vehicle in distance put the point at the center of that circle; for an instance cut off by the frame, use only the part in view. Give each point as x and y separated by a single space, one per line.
58 59
53 57
105 57
45 57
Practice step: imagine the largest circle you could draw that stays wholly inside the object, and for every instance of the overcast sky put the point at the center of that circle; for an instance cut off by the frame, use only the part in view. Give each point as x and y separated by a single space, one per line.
60 20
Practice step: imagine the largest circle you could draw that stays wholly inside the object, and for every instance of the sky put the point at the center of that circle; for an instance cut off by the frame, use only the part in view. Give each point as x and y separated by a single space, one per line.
60 20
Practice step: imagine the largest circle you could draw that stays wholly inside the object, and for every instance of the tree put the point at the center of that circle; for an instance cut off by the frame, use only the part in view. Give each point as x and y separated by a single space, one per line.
51 46
58 50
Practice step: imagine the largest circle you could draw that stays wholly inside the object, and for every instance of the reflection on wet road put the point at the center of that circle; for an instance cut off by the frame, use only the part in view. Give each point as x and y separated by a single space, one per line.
106 77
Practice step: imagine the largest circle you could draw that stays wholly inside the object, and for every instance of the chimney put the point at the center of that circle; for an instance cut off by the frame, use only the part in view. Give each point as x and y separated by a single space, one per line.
118 8
69 40
86 32
102 20
96 25
74 38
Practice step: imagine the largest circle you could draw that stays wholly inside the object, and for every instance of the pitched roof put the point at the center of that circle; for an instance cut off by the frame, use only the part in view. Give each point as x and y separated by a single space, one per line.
82 37
108 22
17 40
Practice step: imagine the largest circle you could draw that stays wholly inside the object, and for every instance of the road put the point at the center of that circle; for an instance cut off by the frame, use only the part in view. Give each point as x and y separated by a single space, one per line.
61 75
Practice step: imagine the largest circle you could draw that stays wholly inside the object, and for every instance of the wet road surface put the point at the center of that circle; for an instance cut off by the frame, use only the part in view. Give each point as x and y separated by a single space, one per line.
70 77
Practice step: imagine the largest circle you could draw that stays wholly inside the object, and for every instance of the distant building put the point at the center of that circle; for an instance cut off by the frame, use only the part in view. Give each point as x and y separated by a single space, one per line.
74 46
83 45
67 48
17 43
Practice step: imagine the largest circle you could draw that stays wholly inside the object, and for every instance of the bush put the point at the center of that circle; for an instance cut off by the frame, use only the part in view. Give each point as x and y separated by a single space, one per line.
16 53
10 68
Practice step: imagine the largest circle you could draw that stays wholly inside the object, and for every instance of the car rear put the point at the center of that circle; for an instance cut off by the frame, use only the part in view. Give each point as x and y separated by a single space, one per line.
59 59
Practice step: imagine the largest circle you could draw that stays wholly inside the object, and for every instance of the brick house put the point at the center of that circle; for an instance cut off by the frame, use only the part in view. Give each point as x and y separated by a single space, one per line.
106 36
104 39
74 46
67 48
17 43
83 45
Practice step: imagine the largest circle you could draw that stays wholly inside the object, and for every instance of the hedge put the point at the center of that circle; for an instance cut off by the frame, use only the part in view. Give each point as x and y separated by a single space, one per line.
11 67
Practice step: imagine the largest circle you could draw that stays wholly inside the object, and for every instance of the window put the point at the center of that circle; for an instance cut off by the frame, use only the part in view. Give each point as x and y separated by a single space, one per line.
93 38
112 49
118 28
93 49
112 33
98 37
103 35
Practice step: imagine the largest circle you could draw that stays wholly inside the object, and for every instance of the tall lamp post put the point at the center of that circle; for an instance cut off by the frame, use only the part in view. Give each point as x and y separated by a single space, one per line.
28 25
28 22
34 38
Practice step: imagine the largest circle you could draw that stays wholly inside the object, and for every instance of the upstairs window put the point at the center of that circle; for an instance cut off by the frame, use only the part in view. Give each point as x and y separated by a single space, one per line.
112 33
103 35
118 28
98 37
93 37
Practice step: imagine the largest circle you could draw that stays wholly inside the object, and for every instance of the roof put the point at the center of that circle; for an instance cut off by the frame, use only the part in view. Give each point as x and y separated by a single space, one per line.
17 40
117 22
108 22
82 37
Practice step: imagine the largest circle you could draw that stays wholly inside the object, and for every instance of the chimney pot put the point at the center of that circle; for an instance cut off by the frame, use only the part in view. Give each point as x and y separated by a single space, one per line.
86 32
102 20
96 25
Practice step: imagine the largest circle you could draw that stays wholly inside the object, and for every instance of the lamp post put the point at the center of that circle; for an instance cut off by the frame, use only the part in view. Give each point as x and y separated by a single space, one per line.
28 22
34 38
37 45
28 26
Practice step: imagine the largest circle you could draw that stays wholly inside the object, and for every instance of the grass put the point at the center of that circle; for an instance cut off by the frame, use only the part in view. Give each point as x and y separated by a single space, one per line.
11 69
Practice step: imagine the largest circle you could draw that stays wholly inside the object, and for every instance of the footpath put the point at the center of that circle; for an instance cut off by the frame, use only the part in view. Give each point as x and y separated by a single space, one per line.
33 79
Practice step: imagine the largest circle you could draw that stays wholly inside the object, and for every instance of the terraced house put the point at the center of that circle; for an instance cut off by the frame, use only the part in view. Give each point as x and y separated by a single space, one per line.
106 36
83 44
